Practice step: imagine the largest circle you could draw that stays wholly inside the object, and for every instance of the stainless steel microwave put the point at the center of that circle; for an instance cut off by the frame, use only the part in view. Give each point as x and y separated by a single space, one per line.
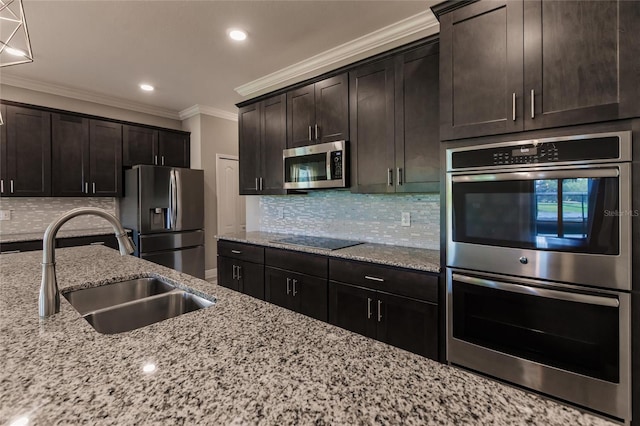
316 166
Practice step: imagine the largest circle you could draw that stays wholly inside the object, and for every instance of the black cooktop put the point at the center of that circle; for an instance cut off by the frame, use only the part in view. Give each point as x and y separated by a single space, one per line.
317 242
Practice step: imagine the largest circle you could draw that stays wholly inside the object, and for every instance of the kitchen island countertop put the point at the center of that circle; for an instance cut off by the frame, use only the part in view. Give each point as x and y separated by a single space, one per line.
241 361
403 257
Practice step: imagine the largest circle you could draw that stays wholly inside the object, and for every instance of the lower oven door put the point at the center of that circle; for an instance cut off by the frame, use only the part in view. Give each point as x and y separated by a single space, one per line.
559 340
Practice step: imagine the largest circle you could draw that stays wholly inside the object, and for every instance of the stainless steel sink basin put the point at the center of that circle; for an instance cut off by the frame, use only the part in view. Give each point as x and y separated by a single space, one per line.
132 304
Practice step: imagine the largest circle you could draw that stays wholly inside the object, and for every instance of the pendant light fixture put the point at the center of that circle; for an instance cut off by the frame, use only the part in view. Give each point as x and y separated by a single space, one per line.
15 47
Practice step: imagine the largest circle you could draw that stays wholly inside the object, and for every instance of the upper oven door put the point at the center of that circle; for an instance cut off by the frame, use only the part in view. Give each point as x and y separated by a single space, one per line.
567 224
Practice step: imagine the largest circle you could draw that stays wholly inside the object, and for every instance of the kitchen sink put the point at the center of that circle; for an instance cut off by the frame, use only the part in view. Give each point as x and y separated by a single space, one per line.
128 305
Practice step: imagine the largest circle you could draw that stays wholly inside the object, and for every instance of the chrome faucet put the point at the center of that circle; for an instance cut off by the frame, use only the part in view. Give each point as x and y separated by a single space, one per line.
49 300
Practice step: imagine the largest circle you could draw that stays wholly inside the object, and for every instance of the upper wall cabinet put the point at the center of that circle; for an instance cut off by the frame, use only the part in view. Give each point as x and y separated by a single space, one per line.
26 152
508 66
262 128
394 123
143 145
319 112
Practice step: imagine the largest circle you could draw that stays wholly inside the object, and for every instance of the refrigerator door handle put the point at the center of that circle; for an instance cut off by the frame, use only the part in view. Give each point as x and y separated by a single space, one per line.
172 200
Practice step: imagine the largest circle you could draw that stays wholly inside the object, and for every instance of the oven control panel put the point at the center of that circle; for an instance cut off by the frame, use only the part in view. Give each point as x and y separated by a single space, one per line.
526 155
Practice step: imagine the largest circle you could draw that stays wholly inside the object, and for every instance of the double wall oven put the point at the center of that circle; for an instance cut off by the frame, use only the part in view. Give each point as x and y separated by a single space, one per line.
539 266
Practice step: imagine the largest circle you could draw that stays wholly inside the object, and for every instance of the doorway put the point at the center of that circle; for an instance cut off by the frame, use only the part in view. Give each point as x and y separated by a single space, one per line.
231 206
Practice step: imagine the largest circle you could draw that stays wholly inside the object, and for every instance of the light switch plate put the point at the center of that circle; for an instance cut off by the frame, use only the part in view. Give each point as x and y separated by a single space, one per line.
5 214
406 219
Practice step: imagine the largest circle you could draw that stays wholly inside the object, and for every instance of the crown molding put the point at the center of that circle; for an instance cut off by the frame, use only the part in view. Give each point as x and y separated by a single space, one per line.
420 22
85 95
207 110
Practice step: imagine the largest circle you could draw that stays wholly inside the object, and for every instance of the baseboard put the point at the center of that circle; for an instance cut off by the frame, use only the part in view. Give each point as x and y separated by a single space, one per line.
210 273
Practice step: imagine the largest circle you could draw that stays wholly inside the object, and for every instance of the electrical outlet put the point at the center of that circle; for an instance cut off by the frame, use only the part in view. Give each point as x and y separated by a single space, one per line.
281 212
406 219
5 214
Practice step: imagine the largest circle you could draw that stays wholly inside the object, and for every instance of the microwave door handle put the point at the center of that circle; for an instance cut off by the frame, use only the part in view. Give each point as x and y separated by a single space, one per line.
540 292
539 175
329 165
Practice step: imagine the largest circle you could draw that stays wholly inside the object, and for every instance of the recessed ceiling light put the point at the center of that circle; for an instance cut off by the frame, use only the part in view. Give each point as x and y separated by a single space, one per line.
149 368
14 52
22 421
147 87
237 35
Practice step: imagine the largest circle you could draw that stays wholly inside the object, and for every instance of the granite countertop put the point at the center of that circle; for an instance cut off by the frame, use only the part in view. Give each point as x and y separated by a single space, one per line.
241 361
62 233
403 257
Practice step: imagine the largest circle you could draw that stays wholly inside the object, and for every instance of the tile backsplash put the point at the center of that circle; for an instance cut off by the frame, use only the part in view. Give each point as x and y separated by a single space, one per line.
35 214
365 217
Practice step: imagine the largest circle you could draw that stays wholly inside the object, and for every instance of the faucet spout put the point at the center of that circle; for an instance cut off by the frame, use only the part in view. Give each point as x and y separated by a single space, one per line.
49 300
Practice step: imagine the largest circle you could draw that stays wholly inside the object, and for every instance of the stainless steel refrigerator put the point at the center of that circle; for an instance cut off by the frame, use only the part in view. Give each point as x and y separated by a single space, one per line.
164 206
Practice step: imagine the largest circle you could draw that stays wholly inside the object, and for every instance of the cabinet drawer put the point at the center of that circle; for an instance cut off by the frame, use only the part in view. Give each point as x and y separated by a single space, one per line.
419 285
241 251
306 263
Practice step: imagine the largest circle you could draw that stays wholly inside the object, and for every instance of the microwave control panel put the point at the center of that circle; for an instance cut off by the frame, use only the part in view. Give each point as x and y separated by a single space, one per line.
336 165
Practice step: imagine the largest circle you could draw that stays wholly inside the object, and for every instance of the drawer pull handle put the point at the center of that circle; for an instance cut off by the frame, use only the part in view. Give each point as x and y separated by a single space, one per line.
11 251
97 243
236 252
374 278
368 308
379 310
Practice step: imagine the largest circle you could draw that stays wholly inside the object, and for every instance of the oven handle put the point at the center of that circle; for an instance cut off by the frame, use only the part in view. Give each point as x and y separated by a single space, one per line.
533 175
541 292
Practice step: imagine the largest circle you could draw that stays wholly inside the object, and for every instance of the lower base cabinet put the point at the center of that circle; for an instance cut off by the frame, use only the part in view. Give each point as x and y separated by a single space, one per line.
238 275
299 292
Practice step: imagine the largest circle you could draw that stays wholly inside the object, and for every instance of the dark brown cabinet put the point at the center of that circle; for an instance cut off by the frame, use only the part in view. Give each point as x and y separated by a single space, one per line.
392 305
262 128
241 268
297 281
26 152
143 145
394 123
318 112
87 157
508 66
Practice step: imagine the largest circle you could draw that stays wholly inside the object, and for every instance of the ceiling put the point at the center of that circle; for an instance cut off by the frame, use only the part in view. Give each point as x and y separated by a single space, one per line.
181 47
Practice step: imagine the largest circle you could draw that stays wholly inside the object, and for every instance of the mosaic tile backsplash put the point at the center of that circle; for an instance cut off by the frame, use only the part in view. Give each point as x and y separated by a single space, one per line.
35 214
363 217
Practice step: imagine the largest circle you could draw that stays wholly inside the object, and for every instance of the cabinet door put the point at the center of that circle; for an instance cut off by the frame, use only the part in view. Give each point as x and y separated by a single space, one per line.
251 279
273 141
408 324
371 107
28 151
310 295
249 148
300 116
70 155
417 120
173 149
4 180
226 273
352 308
277 287
105 158
572 52
332 109
139 145
481 71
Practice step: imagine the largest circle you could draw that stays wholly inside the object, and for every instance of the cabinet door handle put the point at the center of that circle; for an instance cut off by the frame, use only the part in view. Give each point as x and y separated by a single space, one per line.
238 269
86 187
155 160
399 177
379 310
236 252
317 134
513 106
310 132
1 186
368 307
288 285
256 184
10 252
261 187
374 278
97 243
233 271
294 287
162 160
533 103
389 177
11 185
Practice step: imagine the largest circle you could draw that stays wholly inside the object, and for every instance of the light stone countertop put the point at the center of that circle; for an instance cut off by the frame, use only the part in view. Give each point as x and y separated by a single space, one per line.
62 233
241 361
404 257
